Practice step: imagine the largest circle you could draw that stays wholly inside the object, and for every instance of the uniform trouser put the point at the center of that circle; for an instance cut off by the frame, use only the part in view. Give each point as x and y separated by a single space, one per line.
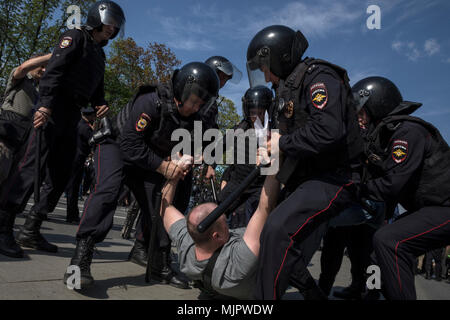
73 187
99 207
181 202
358 241
58 147
301 219
437 256
398 244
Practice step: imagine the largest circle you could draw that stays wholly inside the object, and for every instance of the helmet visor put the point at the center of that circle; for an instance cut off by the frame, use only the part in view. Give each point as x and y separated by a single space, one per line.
111 18
257 67
230 70
197 90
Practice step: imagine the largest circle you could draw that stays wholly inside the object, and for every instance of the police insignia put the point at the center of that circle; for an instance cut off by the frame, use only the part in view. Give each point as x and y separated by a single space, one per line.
319 95
65 42
289 110
399 151
143 122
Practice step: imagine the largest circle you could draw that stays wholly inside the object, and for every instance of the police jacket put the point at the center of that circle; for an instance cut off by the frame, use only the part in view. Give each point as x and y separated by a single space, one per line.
318 125
75 72
146 126
409 162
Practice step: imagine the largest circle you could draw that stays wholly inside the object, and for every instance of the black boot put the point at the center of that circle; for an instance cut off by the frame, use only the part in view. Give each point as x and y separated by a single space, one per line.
83 259
8 245
428 275
162 270
30 235
138 254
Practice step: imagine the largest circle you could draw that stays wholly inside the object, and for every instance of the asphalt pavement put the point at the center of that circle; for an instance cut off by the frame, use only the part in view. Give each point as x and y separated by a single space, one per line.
39 276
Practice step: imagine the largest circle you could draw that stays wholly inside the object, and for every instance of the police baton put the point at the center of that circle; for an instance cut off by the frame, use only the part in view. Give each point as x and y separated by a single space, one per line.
151 247
225 205
213 188
37 167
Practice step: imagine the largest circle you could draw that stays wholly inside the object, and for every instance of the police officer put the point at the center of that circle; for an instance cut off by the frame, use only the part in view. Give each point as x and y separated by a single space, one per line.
73 79
226 71
408 163
320 141
139 158
255 103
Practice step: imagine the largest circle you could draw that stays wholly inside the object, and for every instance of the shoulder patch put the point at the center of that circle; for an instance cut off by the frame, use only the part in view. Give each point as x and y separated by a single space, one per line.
399 151
143 122
66 42
319 95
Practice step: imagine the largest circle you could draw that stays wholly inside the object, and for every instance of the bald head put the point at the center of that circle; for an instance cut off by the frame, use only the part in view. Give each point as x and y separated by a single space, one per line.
196 216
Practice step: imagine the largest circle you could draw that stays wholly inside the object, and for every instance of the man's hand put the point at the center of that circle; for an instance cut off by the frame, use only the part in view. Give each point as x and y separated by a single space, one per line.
101 111
171 171
210 173
41 117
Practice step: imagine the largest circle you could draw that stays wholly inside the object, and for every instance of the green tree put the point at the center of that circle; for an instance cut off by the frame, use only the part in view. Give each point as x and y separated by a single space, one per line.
130 66
31 26
228 116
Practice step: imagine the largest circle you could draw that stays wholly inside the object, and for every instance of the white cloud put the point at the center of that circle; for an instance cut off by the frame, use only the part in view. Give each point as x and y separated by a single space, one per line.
432 47
409 49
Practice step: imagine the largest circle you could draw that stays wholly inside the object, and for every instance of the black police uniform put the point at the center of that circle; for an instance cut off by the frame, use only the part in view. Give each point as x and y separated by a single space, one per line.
415 171
85 132
74 77
320 130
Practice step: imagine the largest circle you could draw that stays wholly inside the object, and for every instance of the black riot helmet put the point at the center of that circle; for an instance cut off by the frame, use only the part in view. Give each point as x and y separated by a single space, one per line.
196 78
109 13
219 63
276 48
259 97
380 97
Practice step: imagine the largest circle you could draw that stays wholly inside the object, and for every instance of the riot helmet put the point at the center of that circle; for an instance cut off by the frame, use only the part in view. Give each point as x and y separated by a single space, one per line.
256 101
196 78
380 97
277 49
222 64
108 13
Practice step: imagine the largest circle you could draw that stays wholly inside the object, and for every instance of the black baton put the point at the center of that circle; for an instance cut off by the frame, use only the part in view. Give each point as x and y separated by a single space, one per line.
224 206
151 247
213 188
37 167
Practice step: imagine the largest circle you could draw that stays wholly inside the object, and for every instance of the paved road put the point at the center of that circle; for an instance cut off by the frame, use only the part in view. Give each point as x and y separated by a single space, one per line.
39 276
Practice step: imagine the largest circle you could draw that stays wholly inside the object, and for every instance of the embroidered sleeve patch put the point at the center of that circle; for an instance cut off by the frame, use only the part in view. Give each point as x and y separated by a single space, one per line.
319 95
143 122
65 42
399 151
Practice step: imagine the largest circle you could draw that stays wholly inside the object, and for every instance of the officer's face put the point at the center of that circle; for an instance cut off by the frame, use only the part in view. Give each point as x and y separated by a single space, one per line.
269 76
190 106
363 119
257 113
223 78
104 35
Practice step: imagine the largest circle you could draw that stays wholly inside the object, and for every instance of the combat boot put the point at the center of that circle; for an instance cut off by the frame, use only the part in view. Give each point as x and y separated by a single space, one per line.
31 237
83 259
8 245
163 272
138 254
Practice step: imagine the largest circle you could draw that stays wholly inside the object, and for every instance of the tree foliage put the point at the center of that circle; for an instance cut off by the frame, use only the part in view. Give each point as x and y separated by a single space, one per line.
130 66
31 26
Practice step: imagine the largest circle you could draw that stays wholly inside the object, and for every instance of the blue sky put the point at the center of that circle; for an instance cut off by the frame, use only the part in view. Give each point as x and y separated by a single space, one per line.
412 48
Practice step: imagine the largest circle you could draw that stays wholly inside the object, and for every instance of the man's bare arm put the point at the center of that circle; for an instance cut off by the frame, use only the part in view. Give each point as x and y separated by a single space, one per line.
267 202
169 213
29 65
